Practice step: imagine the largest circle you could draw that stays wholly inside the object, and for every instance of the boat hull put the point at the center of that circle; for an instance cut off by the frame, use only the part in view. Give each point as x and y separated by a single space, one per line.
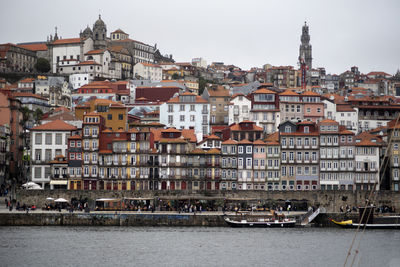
237 224
368 225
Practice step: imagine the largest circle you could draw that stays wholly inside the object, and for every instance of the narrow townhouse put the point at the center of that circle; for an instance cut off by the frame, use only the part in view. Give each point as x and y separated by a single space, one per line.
229 167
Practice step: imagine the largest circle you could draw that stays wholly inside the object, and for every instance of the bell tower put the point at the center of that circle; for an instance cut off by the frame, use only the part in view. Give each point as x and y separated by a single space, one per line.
305 47
100 34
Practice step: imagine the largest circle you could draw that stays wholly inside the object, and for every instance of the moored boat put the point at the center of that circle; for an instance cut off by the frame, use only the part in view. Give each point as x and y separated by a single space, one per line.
273 220
350 224
369 221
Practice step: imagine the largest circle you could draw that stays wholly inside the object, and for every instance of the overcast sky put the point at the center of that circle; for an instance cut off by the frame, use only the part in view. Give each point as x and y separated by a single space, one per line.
246 33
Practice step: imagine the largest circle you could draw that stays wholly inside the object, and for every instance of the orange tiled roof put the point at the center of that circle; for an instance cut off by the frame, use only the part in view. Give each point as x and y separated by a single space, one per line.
310 93
119 31
22 94
75 137
95 52
328 121
57 125
34 47
258 142
27 80
245 141
230 142
289 92
213 136
272 137
89 62
264 91
67 41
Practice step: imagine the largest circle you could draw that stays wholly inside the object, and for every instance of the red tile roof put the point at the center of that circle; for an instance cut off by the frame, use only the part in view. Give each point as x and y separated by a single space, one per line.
89 62
155 94
95 52
67 41
57 125
230 142
245 141
34 47
264 91
289 92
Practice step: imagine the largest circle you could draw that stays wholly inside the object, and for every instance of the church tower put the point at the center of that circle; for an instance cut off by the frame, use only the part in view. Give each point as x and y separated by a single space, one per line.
100 34
305 47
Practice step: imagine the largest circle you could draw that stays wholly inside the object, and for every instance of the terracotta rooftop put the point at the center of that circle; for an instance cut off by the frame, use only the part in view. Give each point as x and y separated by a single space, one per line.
245 141
56 125
258 142
22 94
89 62
34 47
264 91
219 92
95 52
67 41
310 93
230 142
289 92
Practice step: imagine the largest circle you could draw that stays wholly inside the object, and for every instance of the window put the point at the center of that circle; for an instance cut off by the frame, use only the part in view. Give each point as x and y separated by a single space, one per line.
240 149
49 139
58 139
72 144
248 163
299 170
38 139
120 117
306 129
192 107
109 116
170 119
248 149
192 117
182 117
181 107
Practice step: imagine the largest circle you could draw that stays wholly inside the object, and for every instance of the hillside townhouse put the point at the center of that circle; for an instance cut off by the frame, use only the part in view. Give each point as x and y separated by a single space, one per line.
148 71
239 108
273 161
367 161
229 165
265 109
219 99
245 165
337 156
393 156
48 141
291 106
299 155
186 111
313 106
259 165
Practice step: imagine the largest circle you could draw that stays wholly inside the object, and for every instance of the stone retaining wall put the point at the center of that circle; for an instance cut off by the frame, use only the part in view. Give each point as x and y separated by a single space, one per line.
330 200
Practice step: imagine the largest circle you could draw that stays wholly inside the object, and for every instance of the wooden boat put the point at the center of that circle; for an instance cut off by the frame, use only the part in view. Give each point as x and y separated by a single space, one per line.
350 224
367 219
262 222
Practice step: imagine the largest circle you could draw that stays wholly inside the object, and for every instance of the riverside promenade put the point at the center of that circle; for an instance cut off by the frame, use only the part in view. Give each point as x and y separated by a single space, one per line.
134 218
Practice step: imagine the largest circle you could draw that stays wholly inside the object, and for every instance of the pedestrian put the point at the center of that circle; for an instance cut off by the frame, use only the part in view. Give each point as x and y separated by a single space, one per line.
341 208
6 202
288 208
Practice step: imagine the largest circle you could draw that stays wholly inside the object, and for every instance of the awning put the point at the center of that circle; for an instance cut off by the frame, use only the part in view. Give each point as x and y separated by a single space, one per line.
58 182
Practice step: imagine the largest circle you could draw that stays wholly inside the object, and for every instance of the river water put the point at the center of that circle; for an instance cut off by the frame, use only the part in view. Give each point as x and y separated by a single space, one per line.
194 246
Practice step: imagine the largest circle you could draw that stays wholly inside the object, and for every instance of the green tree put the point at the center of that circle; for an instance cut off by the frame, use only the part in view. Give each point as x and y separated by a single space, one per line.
42 65
175 76
37 115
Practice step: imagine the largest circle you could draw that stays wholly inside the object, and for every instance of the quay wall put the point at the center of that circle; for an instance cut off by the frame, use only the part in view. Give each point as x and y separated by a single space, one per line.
330 200
144 219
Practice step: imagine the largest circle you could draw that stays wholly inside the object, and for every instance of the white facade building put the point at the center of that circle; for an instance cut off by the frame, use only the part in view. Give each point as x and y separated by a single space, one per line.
148 71
342 113
68 49
199 62
186 111
79 79
48 141
239 109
